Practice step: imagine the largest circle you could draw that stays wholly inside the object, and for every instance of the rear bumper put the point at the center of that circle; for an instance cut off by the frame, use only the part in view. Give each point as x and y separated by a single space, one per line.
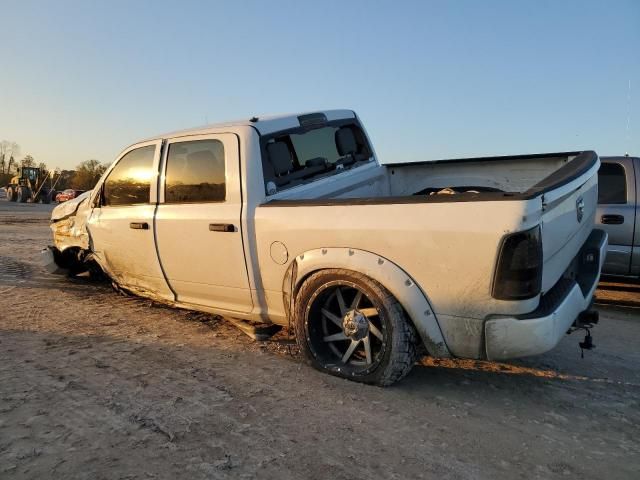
542 329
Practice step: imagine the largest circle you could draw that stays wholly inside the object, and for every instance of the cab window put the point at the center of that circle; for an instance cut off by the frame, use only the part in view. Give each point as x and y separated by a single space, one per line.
612 184
195 172
129 182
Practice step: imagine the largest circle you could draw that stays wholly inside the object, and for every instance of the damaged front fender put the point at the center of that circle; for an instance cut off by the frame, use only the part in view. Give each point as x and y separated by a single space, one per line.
69 223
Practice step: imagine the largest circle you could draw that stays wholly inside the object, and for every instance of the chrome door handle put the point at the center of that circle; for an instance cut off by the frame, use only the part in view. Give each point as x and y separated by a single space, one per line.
612 219
222 227
139 225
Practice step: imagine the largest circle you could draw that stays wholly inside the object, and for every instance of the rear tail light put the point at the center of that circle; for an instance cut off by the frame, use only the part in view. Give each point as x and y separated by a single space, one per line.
519 270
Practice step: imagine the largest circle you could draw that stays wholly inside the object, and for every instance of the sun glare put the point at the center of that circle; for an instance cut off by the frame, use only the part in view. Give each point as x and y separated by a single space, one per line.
141 174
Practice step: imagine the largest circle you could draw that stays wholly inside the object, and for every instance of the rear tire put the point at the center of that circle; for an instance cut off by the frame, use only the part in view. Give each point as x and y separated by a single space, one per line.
349 325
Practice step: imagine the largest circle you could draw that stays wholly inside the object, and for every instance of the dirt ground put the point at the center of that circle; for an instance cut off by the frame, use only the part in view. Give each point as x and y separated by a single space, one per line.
96 385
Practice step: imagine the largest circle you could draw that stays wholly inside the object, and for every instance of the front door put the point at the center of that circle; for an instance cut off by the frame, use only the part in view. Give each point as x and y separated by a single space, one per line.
121 224
198 222
616 212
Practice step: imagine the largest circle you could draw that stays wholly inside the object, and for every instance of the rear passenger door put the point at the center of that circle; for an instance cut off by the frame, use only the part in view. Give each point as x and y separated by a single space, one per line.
121 224
198 222
616 212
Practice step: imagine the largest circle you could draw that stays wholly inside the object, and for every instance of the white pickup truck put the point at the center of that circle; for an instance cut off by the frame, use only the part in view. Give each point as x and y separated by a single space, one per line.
292 220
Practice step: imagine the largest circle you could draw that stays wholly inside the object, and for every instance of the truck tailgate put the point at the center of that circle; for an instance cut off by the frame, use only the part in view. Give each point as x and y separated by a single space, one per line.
568 204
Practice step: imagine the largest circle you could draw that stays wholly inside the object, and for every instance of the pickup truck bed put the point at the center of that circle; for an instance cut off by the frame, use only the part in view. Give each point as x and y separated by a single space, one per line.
443 236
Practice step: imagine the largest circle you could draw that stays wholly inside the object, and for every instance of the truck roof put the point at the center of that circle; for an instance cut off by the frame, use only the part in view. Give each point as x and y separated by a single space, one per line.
616 157
265 124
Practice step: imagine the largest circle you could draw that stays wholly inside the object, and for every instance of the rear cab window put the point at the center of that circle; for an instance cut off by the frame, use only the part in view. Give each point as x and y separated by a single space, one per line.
612 184
317 149
195 172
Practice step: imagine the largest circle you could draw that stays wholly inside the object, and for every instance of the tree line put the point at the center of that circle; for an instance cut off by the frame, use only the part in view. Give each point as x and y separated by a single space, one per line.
83 177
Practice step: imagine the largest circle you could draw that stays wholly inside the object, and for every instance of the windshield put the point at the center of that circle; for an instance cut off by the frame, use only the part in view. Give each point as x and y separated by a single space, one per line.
301 155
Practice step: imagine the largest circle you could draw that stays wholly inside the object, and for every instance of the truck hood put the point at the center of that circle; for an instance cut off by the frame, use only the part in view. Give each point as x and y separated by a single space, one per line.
70 207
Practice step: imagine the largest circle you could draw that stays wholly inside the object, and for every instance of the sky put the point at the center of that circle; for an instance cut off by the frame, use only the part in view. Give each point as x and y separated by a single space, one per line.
82 80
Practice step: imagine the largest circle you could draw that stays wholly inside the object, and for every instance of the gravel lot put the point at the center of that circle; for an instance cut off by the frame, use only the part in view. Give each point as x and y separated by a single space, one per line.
96 385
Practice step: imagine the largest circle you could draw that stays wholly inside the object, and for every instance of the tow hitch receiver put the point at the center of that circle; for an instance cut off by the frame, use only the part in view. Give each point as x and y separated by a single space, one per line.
587 343
585 321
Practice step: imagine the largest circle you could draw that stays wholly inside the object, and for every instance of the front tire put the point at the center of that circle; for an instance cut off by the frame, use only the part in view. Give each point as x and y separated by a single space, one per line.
349 325
24 194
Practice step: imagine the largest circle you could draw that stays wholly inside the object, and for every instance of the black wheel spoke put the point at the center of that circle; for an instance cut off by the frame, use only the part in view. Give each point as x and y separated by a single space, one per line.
336 337
343 307
352 347
356 300
367 349
374 330
334 318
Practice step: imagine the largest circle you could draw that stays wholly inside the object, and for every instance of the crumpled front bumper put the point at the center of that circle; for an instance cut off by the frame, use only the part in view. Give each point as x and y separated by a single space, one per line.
542 329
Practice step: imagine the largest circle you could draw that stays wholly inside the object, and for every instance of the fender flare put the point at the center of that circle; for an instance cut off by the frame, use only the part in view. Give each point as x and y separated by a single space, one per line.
380 269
